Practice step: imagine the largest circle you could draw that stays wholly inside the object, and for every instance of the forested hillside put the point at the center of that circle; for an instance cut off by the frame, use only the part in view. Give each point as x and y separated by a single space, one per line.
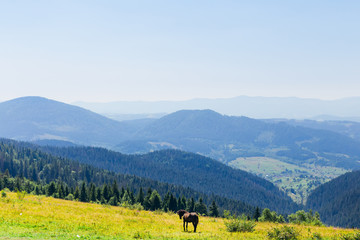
338 201
186 169
18 160
227 137
315 156
347 128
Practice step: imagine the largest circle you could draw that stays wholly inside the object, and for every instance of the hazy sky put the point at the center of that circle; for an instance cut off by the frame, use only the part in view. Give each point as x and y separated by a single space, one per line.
171 50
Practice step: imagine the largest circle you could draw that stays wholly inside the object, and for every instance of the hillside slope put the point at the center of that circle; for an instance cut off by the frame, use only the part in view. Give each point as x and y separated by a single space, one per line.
188 170
38 217
25 160
338 201
36 118
225 138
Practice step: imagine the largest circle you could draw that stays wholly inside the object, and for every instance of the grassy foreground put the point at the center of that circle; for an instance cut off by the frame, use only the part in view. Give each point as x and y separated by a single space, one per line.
39 217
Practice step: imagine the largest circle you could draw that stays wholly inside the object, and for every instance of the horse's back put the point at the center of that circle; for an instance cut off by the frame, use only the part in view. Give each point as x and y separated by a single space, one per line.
193 217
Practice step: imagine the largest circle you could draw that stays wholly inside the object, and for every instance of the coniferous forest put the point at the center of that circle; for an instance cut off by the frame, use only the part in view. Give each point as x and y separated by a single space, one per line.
338 200
33 171
186 169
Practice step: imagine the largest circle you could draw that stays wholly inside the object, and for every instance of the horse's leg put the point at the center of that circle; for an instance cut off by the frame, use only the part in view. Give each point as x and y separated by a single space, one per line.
194 223
184 225
187 225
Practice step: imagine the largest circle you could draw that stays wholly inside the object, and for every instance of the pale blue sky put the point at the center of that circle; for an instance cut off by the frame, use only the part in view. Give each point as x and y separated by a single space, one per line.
172 50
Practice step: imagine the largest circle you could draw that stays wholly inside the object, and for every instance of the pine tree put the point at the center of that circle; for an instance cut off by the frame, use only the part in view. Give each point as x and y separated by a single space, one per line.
60 191
190 206
172 203
200 207
126 198
257 214
51 189
83 194
165 205
106 192
92 193
140 196
113 201
147 204
115 191
180 203
155 200
99 195
213 210
77 193
183 202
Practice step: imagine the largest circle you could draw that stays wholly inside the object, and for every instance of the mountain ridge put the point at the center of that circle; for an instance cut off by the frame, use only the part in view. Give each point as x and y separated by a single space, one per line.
254 107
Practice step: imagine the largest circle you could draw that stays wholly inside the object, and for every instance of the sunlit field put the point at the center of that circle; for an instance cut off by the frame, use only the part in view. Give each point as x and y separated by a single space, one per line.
39 217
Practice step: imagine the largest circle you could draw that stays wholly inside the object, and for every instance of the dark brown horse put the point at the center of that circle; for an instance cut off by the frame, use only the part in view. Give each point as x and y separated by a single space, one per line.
188 217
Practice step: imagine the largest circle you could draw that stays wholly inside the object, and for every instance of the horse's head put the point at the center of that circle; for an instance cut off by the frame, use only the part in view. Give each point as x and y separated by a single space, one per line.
181 213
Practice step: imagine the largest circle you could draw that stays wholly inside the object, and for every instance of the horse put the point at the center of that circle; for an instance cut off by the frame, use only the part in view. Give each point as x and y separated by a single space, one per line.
188 217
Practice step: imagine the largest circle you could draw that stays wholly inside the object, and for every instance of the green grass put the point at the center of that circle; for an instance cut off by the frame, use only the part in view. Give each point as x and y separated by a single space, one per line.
37 217
296 181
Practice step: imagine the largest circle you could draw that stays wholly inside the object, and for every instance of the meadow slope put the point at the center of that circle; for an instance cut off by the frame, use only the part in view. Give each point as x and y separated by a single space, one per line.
39 217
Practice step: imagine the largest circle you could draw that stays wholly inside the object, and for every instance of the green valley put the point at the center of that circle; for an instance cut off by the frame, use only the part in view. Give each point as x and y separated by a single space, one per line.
296 181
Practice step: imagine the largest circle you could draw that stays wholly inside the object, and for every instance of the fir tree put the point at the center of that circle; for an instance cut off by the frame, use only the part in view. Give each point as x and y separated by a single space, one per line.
257 214
106 192
51 189
126 198
155 200
190 206
77 193
83 194
140 196
172 203
200 207
165 205
147 203
92 192
115 191
213 210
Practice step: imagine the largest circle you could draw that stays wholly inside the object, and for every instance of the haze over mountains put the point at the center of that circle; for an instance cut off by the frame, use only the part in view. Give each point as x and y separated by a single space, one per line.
254 107
308 156
296 155
219 136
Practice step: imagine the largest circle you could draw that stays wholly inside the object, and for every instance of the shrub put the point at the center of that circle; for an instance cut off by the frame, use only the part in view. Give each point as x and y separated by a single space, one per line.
239 225
20 195
136 206
349 236
316 236
283 233
306 218
3 194
69 197
268 216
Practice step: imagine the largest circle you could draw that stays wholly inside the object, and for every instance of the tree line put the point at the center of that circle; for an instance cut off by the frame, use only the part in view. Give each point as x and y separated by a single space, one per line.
18 161
110 194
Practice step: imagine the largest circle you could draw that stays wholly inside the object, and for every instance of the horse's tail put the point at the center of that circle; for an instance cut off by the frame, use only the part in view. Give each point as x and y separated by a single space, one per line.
196 219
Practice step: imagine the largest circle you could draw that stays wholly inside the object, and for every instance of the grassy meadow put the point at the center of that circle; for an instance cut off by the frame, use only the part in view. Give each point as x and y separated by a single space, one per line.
297 181
39 217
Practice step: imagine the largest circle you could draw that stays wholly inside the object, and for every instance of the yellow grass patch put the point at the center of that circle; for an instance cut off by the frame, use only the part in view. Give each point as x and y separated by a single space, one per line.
38 217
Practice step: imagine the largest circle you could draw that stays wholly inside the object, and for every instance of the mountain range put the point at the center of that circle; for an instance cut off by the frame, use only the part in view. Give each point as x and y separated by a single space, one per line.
254 107
298 154
308 156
